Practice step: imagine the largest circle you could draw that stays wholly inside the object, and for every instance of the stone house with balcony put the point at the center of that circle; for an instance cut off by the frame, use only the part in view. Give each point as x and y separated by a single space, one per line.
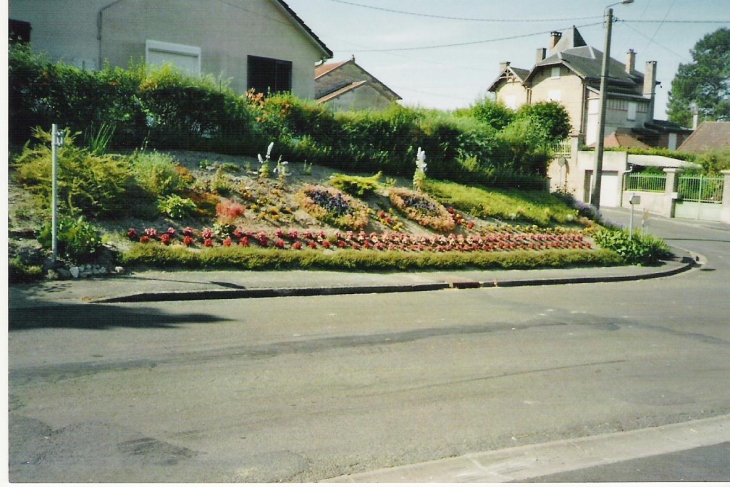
260 44
568 71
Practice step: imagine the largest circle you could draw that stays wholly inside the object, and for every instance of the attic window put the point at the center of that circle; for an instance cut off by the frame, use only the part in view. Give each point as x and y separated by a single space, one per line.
555 72
269 75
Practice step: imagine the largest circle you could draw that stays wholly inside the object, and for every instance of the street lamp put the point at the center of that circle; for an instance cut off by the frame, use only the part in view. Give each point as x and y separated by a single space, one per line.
598 163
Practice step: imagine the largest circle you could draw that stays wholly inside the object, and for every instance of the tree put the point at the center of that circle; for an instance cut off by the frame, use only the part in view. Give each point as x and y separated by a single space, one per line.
491 112
705 81
551 116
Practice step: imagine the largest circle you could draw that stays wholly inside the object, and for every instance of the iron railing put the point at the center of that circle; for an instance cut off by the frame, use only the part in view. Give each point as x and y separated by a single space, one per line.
653 183
702 189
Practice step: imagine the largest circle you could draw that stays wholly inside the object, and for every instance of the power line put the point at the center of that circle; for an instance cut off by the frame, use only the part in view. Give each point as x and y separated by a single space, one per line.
465 19
486 41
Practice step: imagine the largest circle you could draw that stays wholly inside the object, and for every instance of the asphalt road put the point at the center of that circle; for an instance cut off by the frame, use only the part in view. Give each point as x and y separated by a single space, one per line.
304 389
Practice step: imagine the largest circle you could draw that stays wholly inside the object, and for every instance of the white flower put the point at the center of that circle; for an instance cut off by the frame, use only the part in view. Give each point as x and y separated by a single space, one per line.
421 160
281 167
268 151
261 159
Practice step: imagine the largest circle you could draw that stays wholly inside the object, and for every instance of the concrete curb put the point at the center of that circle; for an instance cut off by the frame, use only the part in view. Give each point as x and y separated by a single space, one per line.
538 460
686 263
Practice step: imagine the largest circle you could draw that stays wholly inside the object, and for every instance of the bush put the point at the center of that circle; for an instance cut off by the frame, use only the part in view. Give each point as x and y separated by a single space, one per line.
91 184
356 185
157 174
19 273
77 239
642 249
176 207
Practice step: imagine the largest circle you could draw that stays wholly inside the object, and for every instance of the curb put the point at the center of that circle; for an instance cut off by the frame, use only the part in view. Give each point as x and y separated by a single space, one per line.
686 263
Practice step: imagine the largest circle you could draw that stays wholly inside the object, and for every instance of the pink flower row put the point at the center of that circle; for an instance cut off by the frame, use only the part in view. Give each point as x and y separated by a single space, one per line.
297 240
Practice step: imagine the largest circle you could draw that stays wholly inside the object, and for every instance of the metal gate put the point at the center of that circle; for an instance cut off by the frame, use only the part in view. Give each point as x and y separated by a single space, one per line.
699 198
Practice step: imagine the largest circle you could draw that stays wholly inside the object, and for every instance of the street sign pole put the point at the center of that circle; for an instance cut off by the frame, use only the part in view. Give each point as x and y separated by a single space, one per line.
56 142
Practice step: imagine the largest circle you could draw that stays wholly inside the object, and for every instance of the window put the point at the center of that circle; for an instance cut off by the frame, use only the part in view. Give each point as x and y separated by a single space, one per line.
185 58
19 31
510 101
555 72
554 95
269 75
631 111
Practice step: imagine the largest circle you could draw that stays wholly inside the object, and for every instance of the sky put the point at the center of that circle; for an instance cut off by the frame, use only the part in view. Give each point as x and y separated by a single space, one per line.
402 49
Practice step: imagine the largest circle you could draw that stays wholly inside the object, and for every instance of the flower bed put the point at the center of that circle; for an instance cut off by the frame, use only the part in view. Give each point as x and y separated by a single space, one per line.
507 239
334 207
422 209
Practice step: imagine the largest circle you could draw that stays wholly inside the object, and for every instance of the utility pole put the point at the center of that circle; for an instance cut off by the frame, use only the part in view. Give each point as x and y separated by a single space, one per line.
598 163
56 142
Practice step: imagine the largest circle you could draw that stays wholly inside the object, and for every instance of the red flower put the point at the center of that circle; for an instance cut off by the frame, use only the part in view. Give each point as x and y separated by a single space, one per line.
207 234
279 244
208 242
165 238
144 239
238 233
326 244
312 244
297 245
470 225
132 234
188 240
244 242
293 234
171 231
227 242
341 244
188 232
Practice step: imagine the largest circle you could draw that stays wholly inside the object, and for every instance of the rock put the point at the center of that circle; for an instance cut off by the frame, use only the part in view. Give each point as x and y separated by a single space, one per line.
51 274
75 271
103 271
85 275
64 273
119 270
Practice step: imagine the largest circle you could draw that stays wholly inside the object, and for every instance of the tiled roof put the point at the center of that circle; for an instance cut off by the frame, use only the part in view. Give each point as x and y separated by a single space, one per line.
341 91
520 73
622 139
323 69
707 137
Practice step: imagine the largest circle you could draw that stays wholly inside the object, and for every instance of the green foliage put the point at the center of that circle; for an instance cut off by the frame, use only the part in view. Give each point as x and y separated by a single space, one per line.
156 173
176 207
528 141
490 112
705 81
251 258
20 273
642 249
77 239
714 161
98 141
95 185
550 116
531 206
356 185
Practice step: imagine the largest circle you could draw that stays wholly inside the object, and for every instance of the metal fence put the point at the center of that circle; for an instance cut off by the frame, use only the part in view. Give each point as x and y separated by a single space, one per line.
654 183
702 189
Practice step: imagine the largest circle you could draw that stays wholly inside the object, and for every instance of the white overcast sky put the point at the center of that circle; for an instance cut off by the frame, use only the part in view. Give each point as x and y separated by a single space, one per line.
451 77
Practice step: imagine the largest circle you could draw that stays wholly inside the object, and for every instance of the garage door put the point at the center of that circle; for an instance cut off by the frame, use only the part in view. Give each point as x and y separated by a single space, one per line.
610 189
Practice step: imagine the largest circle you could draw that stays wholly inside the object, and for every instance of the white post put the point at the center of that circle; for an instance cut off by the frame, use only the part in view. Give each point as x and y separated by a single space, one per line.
54 192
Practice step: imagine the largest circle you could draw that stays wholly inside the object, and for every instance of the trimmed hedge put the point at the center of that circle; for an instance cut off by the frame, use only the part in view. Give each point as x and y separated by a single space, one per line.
165 109
250 258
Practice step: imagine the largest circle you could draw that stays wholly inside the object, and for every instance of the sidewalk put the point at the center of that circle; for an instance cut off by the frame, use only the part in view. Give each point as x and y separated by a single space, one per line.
522 463
156 285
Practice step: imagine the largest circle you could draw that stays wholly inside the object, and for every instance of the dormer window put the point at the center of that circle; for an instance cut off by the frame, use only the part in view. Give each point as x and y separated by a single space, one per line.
555 73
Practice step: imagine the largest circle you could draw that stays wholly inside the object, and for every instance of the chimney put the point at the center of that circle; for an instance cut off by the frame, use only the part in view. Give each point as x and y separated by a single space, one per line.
650 86
554 38
540 55
630 61
503 65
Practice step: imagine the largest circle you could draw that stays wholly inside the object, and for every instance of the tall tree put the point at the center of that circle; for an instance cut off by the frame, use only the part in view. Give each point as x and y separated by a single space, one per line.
705 81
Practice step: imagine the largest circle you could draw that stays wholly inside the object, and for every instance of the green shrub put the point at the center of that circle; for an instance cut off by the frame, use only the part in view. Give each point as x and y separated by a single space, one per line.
19 273
156 173
77 239
95 185
176 207
642 249
356 185
254 258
